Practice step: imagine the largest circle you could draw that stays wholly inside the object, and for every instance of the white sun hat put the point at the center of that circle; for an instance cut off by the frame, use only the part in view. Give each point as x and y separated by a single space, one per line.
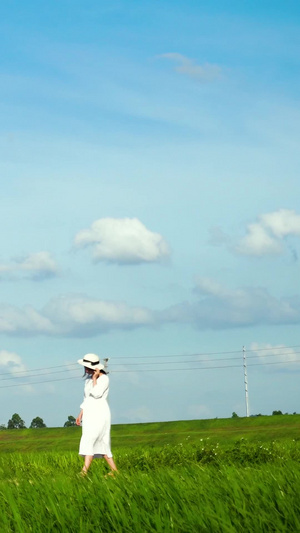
91 360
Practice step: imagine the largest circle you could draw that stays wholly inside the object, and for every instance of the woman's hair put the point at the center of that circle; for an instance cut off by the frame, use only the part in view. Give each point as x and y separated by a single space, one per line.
86 374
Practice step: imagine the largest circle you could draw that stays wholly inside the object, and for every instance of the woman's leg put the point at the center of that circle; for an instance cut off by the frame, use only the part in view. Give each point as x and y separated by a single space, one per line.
110 462
87 463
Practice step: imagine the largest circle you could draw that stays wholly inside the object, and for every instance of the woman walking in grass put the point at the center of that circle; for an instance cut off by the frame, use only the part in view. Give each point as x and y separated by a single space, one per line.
95 414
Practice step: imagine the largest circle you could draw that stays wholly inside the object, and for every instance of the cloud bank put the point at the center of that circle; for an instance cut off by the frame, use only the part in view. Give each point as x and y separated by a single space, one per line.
123 241
73 315
214 306
217 307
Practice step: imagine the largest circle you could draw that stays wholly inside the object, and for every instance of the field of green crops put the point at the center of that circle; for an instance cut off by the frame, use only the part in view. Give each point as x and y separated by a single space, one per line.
199 476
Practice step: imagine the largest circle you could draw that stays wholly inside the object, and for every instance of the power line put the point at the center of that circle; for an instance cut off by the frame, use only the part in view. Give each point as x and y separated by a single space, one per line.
70 365
154 370
207 360
34 383
205 353
207 367
9 376
39 369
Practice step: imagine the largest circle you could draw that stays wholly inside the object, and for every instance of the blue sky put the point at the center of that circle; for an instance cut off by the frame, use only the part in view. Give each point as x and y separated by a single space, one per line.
150 206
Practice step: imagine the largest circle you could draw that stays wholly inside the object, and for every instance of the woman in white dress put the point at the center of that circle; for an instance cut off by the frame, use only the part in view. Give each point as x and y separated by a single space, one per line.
95 414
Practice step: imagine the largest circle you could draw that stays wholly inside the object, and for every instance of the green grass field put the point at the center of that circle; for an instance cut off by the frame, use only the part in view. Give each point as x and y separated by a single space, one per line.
225 430
226 475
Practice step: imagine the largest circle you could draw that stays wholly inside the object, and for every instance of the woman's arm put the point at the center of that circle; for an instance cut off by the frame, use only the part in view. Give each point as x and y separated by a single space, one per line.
79 418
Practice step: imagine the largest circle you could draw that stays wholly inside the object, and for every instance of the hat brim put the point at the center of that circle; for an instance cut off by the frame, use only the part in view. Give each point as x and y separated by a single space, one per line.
89 365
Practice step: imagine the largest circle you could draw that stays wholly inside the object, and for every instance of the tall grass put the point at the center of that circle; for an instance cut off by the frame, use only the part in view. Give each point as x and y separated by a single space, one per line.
188 487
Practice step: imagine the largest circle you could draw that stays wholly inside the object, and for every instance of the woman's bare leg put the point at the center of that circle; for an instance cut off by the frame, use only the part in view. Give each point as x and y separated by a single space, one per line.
87 463
110 462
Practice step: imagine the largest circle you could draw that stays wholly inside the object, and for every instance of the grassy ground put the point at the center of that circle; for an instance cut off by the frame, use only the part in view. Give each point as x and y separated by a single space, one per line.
262 428
185 488
203 476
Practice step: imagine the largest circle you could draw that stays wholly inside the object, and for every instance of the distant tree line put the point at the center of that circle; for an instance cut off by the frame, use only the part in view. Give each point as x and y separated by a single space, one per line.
274 413
16 422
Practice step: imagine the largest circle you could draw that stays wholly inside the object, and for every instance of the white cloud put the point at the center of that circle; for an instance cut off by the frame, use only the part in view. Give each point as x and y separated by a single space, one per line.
282 222
123 241
266 236
203 73
11 366
258 242
26 321
11 361
210 287
39 264
14 367
80 315
36 266
278 356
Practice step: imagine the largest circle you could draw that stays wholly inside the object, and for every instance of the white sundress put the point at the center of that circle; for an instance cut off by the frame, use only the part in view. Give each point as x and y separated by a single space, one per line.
96 419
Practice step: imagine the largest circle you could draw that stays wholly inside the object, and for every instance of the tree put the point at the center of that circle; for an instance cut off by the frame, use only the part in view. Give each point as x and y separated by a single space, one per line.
277 413
16 422
234 415
70 422
37 422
